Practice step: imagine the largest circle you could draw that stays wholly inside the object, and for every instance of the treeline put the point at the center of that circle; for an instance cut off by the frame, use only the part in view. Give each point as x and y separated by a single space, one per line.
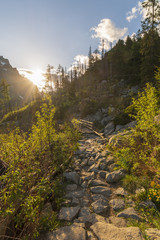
133 61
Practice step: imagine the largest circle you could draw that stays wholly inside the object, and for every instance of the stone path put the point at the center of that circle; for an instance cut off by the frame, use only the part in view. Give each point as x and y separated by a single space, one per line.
95 206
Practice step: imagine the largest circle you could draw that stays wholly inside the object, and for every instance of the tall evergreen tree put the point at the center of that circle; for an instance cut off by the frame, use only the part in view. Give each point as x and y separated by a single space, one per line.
150 42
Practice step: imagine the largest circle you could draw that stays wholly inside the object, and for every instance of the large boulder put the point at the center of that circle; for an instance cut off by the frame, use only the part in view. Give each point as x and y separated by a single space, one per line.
105 231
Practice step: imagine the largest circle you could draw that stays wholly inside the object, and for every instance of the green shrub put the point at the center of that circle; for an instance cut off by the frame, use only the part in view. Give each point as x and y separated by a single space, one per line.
28 183
131 183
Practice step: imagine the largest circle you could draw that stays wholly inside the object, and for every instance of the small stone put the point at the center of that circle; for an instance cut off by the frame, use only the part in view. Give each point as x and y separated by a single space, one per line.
100 206
71 187
72 176
117 204
110 160
75 201
115 176
96 182
68 214
101 190
96 197
90 236
121 192
102 174
84 163
84 184
129 213
91 162
76 194
93 168
84 212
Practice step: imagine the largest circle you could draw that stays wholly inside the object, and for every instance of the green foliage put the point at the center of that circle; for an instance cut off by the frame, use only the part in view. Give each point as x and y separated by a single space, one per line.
122 119
88 106
28 183
154 193
131 183
139 151
24 116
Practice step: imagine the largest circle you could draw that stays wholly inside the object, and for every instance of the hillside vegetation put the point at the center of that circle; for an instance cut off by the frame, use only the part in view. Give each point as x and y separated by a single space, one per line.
36 143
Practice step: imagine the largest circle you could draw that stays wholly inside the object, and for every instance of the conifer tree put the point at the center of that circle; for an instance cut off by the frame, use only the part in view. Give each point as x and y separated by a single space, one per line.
150 42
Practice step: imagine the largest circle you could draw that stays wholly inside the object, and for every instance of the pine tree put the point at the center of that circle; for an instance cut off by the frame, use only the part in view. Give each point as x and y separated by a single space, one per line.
150 42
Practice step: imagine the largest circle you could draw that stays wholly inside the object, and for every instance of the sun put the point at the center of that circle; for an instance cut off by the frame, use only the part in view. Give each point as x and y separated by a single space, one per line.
36 76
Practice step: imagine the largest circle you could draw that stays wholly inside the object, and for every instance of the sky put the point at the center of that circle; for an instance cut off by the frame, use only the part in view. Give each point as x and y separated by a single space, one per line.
35 33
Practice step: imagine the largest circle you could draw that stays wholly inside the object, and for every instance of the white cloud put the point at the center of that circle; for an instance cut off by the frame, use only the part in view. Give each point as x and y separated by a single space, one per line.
136 11
106 44
108 31
81 59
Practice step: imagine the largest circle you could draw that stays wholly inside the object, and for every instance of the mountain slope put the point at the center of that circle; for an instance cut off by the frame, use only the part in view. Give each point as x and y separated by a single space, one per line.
20 88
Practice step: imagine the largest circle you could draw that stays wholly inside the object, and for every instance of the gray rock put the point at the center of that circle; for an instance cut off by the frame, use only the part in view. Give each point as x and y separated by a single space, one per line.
129 213
84 163
97 182
106 120
153 233
109 160
91 162
117 204
84 184
71 187
147 204
73 232
101 190
120 191
68 214
72 176
86 176
84 212
93 168
100 206
115 176
96 197
109 129
105 231
102 174
118 222
91 219
75 201
76 194
90 236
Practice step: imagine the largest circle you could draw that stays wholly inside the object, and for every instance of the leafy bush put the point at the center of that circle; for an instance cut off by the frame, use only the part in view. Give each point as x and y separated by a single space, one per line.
139 152
29 180
154 193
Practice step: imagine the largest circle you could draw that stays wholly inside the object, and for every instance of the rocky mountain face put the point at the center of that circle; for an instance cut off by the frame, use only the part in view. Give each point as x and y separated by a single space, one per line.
20 88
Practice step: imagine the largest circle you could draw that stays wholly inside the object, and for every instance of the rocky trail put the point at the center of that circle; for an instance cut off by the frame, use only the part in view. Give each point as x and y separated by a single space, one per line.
96 206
